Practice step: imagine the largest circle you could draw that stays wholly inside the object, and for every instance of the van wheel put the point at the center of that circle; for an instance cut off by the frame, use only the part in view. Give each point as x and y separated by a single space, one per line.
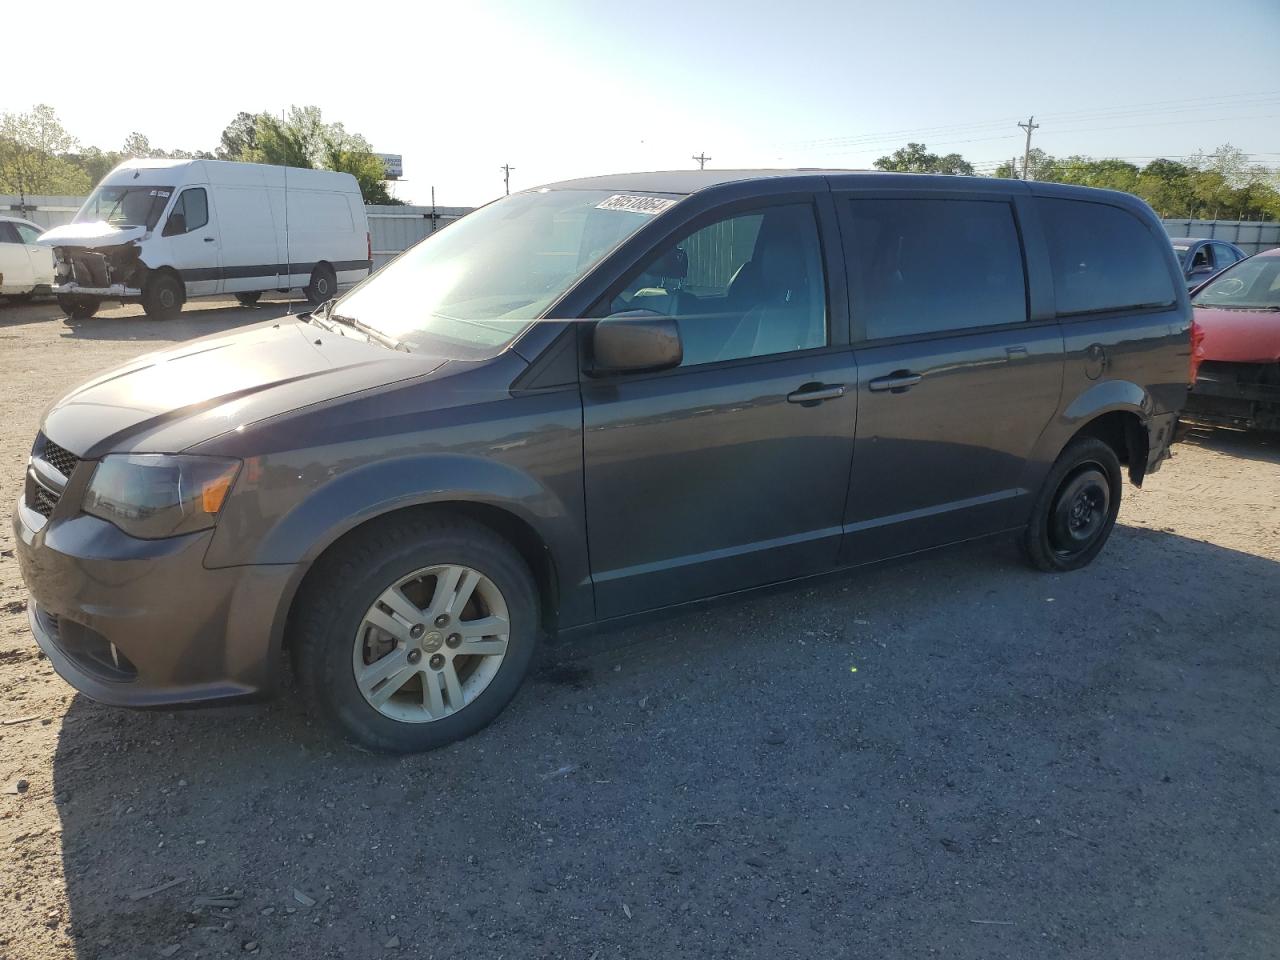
415 633
323 285
163 297
249 299
1076 508
78 306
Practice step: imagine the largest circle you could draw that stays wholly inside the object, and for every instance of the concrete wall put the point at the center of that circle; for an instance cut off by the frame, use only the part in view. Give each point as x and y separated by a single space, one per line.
46 211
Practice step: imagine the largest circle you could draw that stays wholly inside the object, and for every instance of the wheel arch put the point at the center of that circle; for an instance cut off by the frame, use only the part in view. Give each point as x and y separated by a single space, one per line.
1116 412
506 523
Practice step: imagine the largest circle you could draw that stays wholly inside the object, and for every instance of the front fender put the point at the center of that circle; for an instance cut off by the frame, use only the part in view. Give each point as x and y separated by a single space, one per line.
373 489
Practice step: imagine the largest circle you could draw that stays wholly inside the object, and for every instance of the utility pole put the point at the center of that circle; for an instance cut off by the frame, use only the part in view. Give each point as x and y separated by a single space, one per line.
702 159
506 169
1026 154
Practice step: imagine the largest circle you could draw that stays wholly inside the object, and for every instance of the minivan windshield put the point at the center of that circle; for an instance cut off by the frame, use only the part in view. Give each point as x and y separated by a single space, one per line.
131 206
468 290
1252 284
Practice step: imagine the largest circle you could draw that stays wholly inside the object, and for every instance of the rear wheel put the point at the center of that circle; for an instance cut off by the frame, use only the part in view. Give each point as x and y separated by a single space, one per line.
163 297
1076 508
323 285
249 299
78 306
414 634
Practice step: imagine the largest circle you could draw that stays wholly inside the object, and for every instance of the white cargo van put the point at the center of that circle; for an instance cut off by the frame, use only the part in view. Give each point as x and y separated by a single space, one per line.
160 231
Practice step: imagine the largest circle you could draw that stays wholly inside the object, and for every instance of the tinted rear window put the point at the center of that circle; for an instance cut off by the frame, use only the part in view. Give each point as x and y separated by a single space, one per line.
927 266
1103 258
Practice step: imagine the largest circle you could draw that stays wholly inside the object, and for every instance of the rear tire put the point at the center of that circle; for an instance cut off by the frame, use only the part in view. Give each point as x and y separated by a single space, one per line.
332 637
249 299
78 306
323 285
1076 508
17 298
163 297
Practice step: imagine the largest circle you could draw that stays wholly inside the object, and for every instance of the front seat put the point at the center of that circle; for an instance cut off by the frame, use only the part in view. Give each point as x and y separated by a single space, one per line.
780 318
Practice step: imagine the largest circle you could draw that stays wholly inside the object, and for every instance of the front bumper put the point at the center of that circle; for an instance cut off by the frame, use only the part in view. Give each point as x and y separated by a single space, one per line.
143 623
113 290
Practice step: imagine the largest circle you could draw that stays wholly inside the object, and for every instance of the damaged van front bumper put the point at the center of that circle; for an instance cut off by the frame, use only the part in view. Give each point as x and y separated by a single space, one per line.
79 290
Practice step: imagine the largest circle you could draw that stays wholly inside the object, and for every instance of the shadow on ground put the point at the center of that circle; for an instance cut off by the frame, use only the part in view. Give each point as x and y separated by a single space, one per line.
951 755
1246 444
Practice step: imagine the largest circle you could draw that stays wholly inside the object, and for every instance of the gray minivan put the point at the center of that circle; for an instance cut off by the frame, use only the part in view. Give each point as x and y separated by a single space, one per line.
588 402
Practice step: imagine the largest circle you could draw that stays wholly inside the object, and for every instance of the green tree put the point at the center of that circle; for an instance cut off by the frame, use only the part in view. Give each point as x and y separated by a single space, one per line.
916 158
302 138
33 148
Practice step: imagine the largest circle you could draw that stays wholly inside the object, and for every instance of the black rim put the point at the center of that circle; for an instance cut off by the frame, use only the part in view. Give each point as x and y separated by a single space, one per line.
1080 511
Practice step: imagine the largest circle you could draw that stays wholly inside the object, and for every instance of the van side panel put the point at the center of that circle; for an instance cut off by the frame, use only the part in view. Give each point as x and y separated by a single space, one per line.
248 237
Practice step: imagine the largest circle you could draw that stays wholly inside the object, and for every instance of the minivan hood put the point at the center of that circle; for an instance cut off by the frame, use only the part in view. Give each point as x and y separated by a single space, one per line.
1237 336
168 401
97 233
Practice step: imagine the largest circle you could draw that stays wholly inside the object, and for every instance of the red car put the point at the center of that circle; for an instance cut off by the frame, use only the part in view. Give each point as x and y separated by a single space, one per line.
1235 355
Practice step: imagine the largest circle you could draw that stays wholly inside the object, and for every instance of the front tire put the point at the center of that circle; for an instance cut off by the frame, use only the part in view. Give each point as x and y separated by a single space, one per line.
78 306
415 633
249 299
1076 508
163 297
323 285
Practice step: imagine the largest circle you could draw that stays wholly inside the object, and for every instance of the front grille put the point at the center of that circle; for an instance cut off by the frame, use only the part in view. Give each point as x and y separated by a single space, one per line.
41 500
60 458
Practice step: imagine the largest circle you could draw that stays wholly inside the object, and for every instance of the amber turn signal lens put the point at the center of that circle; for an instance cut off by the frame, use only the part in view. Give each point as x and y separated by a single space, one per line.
214 492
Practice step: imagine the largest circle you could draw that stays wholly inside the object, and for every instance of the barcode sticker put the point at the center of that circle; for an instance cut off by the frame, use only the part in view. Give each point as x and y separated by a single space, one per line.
651 206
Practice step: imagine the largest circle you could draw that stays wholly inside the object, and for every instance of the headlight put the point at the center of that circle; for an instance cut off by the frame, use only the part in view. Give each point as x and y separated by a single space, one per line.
159 495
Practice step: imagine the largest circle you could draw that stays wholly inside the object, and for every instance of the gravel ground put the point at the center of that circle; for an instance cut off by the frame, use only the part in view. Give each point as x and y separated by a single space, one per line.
948 756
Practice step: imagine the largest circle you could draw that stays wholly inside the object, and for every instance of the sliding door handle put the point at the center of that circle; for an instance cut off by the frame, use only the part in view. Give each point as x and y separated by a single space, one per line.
811 394
900 381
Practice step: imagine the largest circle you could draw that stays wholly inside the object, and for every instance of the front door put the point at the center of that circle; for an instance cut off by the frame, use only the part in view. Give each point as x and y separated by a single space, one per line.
958 376
190 239
729 471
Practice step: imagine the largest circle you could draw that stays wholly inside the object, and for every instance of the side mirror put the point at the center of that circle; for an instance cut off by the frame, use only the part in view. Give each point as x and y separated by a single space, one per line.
636 341
177 224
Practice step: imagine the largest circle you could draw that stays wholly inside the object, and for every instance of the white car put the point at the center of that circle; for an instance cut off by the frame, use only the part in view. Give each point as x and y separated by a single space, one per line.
160 231
26 267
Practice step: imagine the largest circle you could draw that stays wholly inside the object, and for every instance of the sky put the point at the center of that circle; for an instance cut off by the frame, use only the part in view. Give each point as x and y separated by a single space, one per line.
563 88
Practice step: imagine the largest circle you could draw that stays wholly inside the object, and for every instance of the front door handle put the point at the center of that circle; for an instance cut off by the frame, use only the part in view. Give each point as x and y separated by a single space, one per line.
208 239
812 394
900 381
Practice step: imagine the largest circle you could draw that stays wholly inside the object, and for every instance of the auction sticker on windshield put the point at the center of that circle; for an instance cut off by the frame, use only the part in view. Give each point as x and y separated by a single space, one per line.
633 204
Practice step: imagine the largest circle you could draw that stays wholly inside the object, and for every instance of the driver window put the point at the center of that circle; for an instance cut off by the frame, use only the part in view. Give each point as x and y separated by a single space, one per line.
1201 259
191 212
745 286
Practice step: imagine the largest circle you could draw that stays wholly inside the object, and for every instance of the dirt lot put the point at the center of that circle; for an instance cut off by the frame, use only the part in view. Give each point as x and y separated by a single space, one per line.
1020 765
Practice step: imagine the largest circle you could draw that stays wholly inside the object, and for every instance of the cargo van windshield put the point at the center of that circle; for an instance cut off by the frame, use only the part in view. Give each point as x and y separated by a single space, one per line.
131 206
470 289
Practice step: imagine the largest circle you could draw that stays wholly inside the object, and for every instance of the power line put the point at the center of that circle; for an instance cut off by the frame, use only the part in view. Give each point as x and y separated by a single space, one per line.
1232 101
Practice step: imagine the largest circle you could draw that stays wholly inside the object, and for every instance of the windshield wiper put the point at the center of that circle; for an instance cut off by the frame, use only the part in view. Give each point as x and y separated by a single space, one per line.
373 333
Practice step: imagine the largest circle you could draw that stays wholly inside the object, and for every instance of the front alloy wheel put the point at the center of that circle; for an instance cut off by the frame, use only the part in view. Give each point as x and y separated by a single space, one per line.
431 643
415 630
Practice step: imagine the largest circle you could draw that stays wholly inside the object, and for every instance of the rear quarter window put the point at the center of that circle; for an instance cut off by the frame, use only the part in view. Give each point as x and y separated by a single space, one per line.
1103 258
